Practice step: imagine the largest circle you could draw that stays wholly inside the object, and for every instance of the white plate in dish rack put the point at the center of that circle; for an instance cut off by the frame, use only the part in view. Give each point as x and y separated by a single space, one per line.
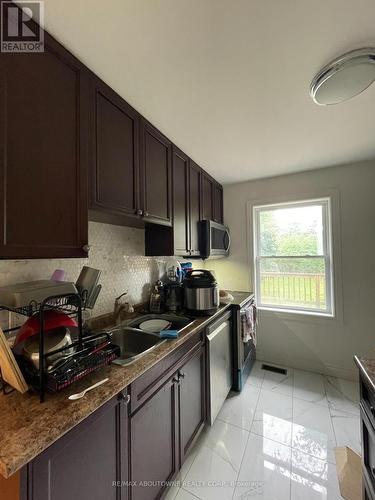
154 325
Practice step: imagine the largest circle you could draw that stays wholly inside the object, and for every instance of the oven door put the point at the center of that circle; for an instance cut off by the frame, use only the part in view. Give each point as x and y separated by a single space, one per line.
246 349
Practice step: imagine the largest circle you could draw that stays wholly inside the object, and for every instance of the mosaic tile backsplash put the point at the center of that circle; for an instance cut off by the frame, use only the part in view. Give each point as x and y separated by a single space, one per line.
116 250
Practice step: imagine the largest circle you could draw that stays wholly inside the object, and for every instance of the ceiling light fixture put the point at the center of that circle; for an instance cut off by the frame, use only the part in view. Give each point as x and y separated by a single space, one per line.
344 77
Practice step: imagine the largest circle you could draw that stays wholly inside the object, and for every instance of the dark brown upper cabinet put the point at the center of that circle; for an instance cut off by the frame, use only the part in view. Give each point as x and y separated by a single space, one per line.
66 134
181 202
114 155
194 207
182 238
155 175
44 109
217 210
186 204
211 199
207 185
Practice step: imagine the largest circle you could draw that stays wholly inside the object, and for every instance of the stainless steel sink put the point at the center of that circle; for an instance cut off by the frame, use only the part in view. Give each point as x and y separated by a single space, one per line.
177 322
134 342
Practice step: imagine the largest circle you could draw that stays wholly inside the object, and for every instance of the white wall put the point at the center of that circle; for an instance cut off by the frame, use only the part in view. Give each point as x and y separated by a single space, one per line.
317 344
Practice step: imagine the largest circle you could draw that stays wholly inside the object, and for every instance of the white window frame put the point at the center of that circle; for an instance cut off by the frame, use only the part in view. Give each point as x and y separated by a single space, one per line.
327 255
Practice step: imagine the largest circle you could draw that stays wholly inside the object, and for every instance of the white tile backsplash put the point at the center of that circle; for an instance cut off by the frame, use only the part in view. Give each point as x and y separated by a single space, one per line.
116 250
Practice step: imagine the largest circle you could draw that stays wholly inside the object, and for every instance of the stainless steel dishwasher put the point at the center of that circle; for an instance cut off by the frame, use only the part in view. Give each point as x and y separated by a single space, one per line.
219 337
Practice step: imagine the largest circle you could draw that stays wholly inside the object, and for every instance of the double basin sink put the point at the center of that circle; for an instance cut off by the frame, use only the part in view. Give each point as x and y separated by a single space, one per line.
135 342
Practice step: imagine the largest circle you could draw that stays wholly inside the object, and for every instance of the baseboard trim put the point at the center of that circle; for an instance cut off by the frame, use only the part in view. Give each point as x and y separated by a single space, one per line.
309 365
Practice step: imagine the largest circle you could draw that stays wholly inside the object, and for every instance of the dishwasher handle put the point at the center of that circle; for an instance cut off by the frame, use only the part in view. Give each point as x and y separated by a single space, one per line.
216 332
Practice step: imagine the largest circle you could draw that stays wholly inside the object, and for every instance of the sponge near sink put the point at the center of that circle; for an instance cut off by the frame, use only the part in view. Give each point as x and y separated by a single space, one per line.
168 334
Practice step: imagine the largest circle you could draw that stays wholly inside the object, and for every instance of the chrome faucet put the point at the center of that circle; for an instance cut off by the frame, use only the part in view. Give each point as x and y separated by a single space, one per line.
121 307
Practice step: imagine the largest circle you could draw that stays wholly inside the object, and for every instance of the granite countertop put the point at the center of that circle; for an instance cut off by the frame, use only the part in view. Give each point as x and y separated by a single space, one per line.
367 368
28 427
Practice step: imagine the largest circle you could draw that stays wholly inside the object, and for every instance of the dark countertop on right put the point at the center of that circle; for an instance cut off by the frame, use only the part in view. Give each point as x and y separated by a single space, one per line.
240 298
367 369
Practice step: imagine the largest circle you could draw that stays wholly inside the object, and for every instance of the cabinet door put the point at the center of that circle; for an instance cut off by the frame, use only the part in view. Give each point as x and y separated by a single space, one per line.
86 463
195 203
218 203
115 162
192 400
206 196
153 444
156 169
44 110
181 219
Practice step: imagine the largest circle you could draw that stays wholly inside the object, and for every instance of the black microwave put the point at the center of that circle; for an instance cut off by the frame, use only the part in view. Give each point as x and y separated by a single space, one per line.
214 240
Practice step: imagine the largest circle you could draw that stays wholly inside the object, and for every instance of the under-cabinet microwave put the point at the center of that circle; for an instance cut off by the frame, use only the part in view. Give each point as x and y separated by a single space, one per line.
214 240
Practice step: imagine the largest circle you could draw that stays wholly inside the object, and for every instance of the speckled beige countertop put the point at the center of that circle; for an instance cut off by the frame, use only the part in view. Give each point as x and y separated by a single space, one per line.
28 427
367 369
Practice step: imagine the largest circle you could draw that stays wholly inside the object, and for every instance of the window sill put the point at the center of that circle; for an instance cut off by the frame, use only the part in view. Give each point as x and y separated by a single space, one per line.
296 315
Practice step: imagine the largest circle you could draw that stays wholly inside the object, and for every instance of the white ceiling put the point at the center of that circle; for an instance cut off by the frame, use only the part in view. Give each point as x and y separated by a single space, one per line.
228 80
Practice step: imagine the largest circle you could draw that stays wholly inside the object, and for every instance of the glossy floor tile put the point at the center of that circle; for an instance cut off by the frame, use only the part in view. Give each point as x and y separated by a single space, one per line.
266 470
313 479
309 387
347 429
217 463
273 417
239 408
278 382
274 441
342 394
312 430
173 491
257 375
185 495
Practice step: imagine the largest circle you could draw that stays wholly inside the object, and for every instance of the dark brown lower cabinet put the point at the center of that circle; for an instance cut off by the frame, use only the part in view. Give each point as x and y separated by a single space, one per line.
367 412
128 452
368 453
87 463
164 428
153 443
192 401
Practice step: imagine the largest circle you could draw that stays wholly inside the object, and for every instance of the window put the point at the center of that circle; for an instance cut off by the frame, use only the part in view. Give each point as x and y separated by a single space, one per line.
293 256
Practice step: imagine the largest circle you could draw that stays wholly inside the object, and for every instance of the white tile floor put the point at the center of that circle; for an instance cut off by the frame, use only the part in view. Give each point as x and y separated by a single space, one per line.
274 441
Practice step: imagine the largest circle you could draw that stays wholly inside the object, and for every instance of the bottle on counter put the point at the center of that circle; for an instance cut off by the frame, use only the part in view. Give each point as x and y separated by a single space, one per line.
157 298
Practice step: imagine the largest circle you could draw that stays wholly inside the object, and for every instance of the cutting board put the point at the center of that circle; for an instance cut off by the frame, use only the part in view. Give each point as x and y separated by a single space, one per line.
10 370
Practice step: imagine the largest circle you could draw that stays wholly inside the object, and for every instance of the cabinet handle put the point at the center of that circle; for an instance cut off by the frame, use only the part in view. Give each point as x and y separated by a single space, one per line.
139 211
125 398
86 248
146 214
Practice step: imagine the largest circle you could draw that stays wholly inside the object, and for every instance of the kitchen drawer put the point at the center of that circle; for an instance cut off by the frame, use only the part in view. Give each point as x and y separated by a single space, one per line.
368 401
145 385
368 450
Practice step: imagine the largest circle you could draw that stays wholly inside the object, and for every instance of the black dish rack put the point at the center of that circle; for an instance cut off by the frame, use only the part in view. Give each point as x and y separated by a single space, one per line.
86 354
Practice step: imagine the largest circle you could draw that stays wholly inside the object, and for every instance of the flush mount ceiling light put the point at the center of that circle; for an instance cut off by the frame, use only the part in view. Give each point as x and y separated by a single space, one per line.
344 77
